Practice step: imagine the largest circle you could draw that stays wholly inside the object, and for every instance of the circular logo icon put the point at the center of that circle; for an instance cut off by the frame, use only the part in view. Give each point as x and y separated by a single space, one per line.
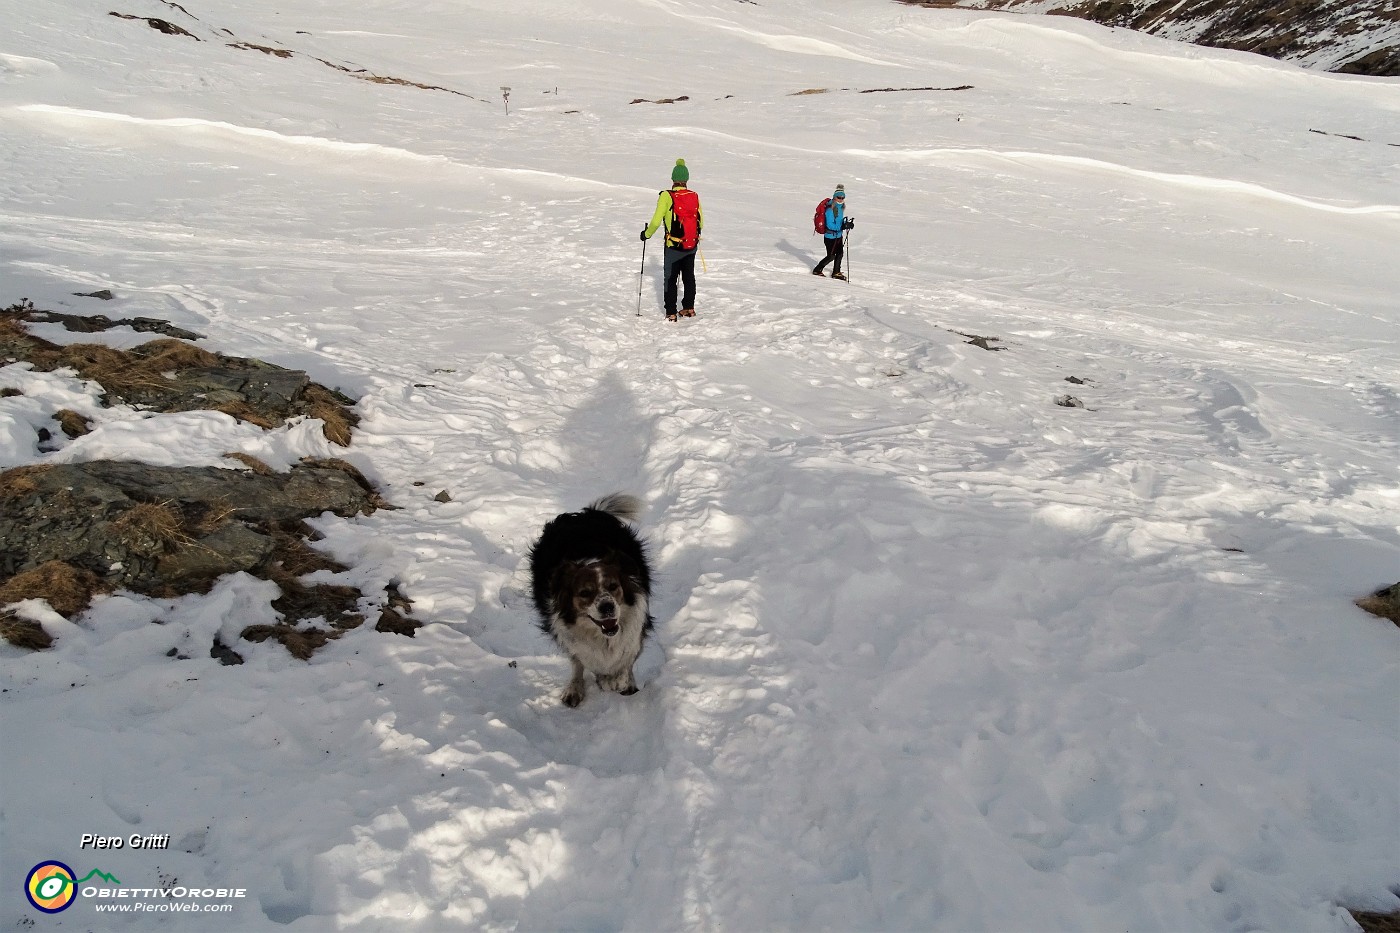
50 887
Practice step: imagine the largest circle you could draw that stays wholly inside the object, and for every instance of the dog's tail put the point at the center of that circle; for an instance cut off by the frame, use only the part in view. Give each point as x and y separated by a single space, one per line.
620 505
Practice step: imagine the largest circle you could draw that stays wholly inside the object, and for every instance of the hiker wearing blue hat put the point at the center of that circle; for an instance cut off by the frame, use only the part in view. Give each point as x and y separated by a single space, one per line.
678 210
831 222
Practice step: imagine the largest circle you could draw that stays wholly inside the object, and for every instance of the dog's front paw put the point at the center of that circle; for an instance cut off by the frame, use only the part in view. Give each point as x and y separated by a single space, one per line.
572 698
619 683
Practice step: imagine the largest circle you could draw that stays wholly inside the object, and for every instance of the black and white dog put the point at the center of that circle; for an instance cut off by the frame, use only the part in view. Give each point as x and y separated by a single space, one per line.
592 587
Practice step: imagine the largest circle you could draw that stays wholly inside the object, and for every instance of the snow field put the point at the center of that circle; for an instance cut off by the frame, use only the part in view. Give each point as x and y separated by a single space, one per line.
933 652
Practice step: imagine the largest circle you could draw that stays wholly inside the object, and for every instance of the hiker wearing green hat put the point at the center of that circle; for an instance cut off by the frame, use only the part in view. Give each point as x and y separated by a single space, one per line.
678 211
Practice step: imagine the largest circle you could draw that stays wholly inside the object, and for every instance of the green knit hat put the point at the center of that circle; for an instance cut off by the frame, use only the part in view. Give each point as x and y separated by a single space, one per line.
680 173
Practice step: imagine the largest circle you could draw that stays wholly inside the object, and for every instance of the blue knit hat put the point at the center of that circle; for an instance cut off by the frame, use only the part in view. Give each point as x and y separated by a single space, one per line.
680 174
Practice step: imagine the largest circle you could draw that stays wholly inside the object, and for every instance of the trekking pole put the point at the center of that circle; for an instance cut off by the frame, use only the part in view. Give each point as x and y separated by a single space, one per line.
640 276
847 249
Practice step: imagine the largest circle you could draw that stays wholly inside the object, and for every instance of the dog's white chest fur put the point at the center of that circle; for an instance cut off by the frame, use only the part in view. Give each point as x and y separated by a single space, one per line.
595 651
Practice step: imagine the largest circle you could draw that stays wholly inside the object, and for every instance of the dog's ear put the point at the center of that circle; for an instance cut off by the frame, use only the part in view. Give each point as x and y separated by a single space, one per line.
629 574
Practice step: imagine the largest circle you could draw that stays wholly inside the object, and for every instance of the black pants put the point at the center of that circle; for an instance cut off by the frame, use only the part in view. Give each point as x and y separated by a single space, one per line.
835 249
680 263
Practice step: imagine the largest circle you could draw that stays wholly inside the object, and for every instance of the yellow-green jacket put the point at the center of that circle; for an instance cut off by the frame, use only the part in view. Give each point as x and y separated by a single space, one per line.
663 217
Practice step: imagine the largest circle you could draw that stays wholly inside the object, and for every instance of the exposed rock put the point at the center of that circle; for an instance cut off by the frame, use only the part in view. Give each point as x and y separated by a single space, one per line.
223 653
1377 923
1384 602
161 530
160 25
984 343
363 74
393 618
94 323
69 532
1351 36
170 375
894 90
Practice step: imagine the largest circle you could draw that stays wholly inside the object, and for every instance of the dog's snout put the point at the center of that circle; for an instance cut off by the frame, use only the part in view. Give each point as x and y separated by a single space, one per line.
607 608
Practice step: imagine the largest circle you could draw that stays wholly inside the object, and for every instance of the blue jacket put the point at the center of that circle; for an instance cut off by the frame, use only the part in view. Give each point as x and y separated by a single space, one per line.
835 216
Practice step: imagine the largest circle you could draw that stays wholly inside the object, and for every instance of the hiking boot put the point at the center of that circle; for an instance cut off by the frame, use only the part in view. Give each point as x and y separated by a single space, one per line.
687 312
839 275
819 272
670 315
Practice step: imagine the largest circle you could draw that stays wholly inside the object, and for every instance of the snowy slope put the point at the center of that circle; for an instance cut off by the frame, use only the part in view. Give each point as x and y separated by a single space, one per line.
933 652
1349 36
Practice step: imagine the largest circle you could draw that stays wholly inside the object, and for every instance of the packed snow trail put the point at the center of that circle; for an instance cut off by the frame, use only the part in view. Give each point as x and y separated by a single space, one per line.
736 694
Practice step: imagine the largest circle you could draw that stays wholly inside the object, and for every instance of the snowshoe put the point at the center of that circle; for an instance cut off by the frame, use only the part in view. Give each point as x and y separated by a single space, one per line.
671 316
687 312
839 275
819 272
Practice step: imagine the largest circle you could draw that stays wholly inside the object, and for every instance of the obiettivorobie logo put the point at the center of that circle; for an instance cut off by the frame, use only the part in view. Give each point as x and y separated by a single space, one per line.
52 886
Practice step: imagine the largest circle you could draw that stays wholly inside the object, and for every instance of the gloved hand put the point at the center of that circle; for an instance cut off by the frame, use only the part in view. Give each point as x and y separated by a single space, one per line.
644 234
848 224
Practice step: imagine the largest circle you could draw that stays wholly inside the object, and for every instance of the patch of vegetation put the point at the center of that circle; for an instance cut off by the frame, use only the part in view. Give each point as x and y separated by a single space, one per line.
170 375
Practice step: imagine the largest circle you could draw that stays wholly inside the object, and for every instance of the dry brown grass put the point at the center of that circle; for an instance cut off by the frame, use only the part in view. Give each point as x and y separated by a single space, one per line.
91 360
335 604
810 90
152 528
300 643
338 419
21 481
68 589
150 375
252 463
72 423
218 514
292 558
242 411
10 326
125 371
168 353
24 633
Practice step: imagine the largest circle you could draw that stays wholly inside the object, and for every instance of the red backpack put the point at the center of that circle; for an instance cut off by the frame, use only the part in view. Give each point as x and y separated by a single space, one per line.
819 218
685 219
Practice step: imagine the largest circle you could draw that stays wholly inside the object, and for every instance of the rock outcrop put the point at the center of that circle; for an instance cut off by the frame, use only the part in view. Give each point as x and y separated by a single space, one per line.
1349 36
